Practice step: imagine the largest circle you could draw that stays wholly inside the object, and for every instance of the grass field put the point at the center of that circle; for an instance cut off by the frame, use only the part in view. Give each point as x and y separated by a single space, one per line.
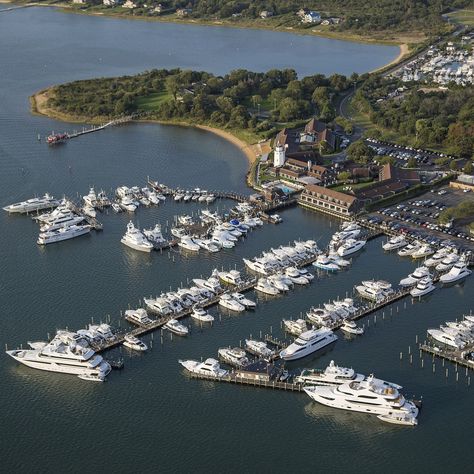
152 101
341 187
464 16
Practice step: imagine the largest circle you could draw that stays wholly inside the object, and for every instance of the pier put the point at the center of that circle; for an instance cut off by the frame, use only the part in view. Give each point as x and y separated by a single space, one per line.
92 221
456 357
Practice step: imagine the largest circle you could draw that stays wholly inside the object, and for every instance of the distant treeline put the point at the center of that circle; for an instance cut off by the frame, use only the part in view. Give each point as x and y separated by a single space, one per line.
425 119
240 99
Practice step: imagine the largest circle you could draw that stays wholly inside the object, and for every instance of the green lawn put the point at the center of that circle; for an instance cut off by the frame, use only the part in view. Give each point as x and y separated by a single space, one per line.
464 16
152 101
340 187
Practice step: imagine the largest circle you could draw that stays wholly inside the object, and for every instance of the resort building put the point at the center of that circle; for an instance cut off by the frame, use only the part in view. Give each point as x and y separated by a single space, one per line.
329 201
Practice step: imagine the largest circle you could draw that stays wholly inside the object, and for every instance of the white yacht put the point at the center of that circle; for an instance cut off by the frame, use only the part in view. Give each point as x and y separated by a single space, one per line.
259 348
437 257
374 290
65 221
370 395
449 340
295 327
32 205
457 272
295 276
338 260
409 249
127 204
350 246
333 375
323 262
211 284
210 367
174 326
416 276
235 357
395 243
321 317
135 239
351 327
67 353
248 303
231 277
64 233
138 316
264 286
230 303
447 262
134 343
207 244
202 315
91 198
188 243
423 252
61 211
158 305
280 281
423 287
89 211
307 343
155 236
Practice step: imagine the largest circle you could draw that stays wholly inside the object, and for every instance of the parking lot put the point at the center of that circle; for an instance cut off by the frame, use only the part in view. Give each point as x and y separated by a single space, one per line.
419 218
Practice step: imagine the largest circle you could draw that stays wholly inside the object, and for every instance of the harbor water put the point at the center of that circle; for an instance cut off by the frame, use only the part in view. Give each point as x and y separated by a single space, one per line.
150 416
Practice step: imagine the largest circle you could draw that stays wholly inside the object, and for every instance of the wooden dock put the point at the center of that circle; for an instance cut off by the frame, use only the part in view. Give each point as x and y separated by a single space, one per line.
92 221
456 357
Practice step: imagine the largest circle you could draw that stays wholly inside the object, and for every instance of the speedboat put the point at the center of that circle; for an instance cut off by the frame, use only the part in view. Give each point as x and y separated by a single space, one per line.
134 343
405 419
134 239
409 249
416 276
422 252
333 375
230 303
259 348
210 367
174 326
231 277
457 272
325 263
138 316
423 287
295 327
351 327
395 243
307 343
201 314
31 205
188 243
240 298
235 357
370 395
64 233
350 246
264 286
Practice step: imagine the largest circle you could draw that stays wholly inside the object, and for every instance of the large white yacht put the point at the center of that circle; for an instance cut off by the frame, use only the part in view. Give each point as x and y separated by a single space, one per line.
233 356
187 243
437 257
447 262
414 277
333 375
248 303
31 205
64 233
409 249
174 326
350 246
395 243
423 252
423 287
307 343
450 340
370 395
228 302
209 367
231 277
202 315
64 221
134 239
155 236
68 353
138 316
91 198
259 348
264 286
295 327
457 272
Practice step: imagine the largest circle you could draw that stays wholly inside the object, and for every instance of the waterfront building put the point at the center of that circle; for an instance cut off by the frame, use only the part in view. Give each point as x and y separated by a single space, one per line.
329 201
279 156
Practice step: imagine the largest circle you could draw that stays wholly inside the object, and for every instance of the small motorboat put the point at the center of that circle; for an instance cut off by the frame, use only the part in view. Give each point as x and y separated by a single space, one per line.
174 326
228 302
201 314
351 327
134 343
406 420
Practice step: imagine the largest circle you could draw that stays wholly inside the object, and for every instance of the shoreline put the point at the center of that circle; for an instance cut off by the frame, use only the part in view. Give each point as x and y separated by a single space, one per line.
404 51
38 107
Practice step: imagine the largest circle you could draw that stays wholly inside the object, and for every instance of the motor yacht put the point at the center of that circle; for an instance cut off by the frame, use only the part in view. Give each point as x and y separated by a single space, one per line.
64 233
174 326
350 246
437 257
321 317
423 287
178 196
138 316
351 327
416 276
447 262
116 207
155 236
265 286
210 367
230 303
188 243
202 315
103 330
333 375
457 272
89 211
374 290
61 222
127 204
134 343
212 284
338 260
261 266
259 348
307 343
395 243
185 220
209 245
135 239
280 282
235 357
449 340
187 197
91 198
248 303
409 249
423 252
62 210
158 305
67 353
174 301
295 276
231 277
295 327
32 205
323 262
370 395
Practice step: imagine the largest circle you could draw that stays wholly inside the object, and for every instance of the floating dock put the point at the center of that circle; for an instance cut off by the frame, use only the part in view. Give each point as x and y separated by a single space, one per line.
456 357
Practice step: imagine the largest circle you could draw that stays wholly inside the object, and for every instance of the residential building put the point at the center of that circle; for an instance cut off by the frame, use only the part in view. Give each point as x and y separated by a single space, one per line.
311 17
129 4
183 12
266 14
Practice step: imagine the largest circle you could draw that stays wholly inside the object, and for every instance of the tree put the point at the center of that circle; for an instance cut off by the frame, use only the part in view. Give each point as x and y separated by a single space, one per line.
468 167
172 85
360 152
453 165
344 176
411 162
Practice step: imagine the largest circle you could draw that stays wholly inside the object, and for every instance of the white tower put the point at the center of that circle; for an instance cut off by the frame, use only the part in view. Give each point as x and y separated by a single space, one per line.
279 156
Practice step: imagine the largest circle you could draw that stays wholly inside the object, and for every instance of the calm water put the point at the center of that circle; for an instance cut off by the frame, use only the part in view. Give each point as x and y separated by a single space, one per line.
150 417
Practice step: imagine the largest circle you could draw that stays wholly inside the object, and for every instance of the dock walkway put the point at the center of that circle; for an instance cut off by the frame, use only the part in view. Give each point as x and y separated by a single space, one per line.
452 356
